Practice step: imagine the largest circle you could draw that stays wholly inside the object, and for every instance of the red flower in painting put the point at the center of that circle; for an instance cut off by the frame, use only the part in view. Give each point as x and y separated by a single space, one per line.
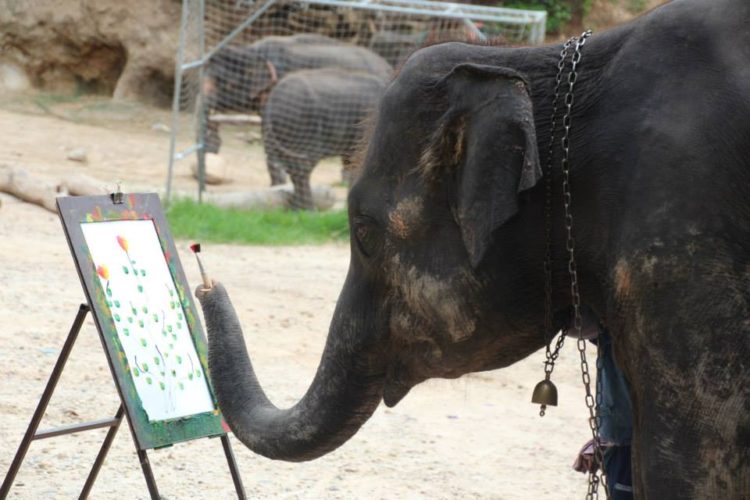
103 271
123 243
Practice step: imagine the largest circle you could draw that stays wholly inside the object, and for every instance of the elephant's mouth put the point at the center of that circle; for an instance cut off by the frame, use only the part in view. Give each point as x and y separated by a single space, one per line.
401 376
394 391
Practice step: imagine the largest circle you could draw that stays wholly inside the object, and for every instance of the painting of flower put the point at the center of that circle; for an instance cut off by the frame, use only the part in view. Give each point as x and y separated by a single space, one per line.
148 315
103 271
122 242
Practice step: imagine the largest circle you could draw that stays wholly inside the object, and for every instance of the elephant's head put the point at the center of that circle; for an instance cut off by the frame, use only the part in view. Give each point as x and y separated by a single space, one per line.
438 283
237 79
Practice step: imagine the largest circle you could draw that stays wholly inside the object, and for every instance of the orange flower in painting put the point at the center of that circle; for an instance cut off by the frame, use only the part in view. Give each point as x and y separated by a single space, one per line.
123 243
103 271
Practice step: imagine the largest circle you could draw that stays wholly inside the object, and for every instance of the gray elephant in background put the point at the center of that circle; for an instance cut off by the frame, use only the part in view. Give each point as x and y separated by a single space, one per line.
313 114
395 47
240 78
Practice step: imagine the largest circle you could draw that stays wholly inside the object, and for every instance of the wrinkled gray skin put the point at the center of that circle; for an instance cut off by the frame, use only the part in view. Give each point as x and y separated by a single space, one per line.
313 114
447 225
239 78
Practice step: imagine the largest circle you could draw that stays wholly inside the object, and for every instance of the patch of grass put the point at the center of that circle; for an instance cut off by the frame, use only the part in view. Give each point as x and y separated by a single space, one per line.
207 223
47 99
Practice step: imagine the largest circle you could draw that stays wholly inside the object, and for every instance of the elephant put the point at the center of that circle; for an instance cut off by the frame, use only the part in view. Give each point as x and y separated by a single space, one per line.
394 46
448 241
313 114
239 78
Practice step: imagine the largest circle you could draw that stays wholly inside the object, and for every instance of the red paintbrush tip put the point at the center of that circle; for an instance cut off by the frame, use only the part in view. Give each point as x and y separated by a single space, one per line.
195 247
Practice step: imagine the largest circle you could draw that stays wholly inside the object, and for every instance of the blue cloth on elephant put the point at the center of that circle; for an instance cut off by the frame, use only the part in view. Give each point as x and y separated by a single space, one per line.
615 409
615 421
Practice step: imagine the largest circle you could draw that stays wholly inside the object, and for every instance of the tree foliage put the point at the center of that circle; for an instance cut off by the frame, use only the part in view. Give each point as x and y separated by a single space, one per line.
560 13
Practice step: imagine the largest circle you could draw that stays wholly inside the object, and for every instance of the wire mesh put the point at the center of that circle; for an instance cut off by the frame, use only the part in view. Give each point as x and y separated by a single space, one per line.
308 73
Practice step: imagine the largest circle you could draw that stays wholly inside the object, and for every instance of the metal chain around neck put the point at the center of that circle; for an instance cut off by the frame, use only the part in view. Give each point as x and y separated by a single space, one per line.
551 356
594 479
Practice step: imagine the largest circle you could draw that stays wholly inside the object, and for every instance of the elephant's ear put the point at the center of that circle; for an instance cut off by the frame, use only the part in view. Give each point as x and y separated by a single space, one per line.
487 137
260 75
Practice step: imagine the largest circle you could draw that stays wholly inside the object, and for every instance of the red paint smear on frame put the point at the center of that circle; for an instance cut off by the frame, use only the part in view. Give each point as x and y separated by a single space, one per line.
97 214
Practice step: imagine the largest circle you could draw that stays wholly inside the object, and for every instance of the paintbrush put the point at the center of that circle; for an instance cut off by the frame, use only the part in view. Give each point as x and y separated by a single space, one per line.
196 248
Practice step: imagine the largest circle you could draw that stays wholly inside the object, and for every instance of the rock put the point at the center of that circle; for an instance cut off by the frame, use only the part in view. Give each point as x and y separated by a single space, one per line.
13 78
160 127
216 169
78 154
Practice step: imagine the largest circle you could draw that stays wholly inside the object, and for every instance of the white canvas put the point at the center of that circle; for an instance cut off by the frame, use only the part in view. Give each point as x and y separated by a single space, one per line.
149 318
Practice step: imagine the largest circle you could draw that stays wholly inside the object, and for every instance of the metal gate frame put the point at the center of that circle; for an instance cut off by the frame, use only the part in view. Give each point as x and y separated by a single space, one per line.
536 19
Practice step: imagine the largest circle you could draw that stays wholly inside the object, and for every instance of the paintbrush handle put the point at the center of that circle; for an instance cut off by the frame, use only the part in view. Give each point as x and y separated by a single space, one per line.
204 276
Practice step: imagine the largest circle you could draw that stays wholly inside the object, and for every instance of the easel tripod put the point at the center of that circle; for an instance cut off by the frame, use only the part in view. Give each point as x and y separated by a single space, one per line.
112 423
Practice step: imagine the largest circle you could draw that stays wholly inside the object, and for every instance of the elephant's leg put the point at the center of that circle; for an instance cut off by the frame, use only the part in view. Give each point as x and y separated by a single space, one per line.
275 166
683 340
212 139
687 447
276 171
271 145
302 198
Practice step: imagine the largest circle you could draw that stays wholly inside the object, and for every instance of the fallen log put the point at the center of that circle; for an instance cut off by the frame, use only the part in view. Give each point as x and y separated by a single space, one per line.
84 185
34 189
41 191
235 119
276 197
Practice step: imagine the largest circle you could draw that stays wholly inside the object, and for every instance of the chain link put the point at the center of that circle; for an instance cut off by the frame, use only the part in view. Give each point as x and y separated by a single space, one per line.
548 200
551 355
591 401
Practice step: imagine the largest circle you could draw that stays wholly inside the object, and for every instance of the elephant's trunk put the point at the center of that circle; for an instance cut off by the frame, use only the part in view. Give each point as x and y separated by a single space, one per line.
345 392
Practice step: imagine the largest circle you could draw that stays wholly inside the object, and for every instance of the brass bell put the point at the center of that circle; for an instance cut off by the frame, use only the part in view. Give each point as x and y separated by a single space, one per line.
545 393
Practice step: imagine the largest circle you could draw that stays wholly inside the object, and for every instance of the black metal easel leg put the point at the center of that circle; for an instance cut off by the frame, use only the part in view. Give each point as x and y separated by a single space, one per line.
148 474
102 454
233 467
44 401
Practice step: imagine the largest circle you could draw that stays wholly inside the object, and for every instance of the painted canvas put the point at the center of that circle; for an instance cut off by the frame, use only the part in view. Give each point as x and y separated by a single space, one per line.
145 313
148 317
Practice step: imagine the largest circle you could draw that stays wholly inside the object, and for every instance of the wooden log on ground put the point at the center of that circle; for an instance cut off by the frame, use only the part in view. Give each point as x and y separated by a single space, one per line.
276 197
84 185
41 191
34 189
235 119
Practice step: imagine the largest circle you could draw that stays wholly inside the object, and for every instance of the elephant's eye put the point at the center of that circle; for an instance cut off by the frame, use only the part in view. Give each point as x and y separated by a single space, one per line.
367 235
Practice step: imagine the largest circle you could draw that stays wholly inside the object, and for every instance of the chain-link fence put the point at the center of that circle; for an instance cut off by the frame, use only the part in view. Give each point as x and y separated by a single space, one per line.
308 73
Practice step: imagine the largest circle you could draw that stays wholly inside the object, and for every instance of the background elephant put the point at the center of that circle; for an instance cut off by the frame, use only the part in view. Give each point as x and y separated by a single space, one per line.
313 114
394 47
447 221
239 78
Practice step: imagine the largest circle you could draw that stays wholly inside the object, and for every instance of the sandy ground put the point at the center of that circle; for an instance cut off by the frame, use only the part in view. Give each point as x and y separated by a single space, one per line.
476 437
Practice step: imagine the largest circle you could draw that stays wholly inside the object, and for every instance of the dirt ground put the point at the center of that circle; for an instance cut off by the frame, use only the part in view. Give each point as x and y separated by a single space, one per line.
475 437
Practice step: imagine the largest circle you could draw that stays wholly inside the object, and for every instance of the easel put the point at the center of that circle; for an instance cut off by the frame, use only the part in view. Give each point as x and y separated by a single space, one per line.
146 433
113 424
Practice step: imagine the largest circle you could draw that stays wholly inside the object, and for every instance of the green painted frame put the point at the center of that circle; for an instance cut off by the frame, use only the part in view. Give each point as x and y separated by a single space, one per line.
73 212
